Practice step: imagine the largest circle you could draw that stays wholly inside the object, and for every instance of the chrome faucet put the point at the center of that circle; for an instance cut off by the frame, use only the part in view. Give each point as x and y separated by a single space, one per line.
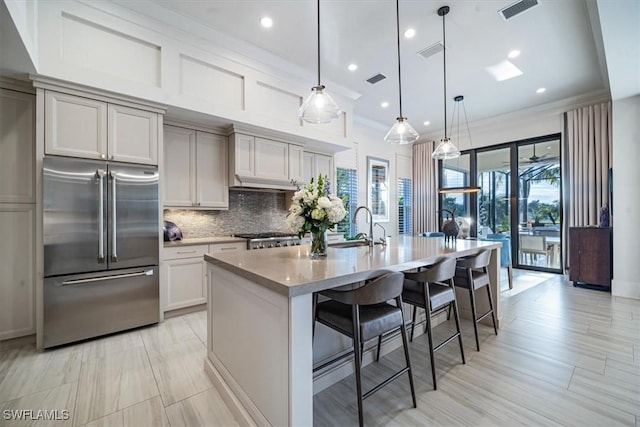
383 239
355 214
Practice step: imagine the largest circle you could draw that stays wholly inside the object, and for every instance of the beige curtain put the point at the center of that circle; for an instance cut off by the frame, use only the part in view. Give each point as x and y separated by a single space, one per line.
587 159
425 194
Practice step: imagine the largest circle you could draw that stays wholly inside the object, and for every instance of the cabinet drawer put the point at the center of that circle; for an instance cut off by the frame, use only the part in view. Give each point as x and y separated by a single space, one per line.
227 247
193 251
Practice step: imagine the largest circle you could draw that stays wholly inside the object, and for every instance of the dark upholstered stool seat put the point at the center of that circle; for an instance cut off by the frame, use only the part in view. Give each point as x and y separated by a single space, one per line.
432 289
439 295
375 320
480 278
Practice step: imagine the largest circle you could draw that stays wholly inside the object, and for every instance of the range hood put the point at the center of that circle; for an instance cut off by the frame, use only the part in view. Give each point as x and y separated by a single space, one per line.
256 183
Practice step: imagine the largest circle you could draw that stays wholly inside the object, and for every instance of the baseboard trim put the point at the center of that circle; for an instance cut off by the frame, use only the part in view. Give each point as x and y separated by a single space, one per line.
185 310
240 414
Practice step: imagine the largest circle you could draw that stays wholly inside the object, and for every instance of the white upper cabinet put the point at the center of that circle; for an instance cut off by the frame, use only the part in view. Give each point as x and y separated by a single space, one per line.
272 160
195 169
316 164
75 126
17 142
179 185
132 135
296 163
244 155
81 127
212 188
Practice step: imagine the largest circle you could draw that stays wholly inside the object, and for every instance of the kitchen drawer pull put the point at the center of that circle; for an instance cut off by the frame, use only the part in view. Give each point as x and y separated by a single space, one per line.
229 249
100 279
187 252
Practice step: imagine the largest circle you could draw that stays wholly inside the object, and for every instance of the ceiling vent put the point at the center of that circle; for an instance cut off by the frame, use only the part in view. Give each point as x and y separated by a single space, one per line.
375 79
517 8
431 50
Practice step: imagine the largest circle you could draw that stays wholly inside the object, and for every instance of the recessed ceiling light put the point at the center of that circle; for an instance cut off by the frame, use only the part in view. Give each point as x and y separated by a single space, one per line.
266 22
352 67
410 33
427 123
385 104
505 70
549 147
541 90
514 54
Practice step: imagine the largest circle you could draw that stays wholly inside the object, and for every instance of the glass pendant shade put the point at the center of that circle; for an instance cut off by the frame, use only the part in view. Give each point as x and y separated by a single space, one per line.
319 107
401 132
445 150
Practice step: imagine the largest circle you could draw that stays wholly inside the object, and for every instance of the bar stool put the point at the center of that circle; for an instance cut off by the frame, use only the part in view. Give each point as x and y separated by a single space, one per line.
363 314
472 273
432 289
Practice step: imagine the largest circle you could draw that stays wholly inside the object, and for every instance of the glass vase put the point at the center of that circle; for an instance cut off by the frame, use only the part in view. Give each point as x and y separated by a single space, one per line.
318 244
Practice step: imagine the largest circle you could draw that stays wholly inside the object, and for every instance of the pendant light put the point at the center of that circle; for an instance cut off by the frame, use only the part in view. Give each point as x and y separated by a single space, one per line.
455 118
446 149
401 132
319 107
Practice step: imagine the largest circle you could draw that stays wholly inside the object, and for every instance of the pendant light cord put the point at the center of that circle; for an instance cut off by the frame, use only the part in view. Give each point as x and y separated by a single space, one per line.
444 68
399 69
318 7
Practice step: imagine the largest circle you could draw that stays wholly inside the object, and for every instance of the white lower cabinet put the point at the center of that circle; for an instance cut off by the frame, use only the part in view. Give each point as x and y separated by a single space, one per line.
183 273
17 266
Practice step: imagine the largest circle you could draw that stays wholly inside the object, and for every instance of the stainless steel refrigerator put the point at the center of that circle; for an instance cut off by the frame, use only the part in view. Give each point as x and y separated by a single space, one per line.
101 238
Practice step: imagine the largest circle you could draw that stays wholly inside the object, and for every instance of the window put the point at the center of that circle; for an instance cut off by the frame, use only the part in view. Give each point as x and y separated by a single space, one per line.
347 189
404 206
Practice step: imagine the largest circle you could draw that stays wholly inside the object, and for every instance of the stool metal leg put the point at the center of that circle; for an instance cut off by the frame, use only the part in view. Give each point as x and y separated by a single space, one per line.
493 313
405 344
457 318
473 307
358 361
430 335
413 322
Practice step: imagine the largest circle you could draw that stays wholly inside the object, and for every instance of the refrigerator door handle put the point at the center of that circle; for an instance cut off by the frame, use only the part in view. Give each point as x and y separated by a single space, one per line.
100 178
99 279
114 216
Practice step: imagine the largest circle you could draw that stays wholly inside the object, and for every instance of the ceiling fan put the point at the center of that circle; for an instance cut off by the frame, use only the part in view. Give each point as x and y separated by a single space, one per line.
537 159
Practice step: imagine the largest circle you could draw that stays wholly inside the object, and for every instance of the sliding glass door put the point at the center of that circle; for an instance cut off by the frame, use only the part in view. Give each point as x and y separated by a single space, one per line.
520 194
539 219
494 203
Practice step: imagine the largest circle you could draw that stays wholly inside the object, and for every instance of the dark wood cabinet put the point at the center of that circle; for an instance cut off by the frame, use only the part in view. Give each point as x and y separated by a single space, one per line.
590 256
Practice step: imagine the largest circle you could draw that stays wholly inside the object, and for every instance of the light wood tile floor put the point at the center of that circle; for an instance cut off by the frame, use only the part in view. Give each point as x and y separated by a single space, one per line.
564 356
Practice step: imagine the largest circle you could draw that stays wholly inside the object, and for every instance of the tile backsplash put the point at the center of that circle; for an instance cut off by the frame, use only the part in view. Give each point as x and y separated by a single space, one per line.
249 212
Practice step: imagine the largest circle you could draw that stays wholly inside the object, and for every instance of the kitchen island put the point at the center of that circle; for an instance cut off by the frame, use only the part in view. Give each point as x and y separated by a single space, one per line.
259 317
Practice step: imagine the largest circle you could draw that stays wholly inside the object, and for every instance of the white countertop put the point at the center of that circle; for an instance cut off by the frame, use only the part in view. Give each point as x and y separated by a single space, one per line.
290 271
203 241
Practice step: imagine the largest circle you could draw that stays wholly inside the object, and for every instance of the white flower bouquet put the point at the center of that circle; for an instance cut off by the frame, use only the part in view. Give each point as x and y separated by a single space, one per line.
314 210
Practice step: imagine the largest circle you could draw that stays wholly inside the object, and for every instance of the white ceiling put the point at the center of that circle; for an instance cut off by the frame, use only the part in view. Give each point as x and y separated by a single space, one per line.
557 47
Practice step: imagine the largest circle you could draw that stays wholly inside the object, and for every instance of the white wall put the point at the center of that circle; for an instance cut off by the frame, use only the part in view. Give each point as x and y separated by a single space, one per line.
626 197
370 142
107 46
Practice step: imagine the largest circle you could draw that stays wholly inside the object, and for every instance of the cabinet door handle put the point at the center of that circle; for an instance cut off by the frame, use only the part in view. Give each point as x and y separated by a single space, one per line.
228 249
187 252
